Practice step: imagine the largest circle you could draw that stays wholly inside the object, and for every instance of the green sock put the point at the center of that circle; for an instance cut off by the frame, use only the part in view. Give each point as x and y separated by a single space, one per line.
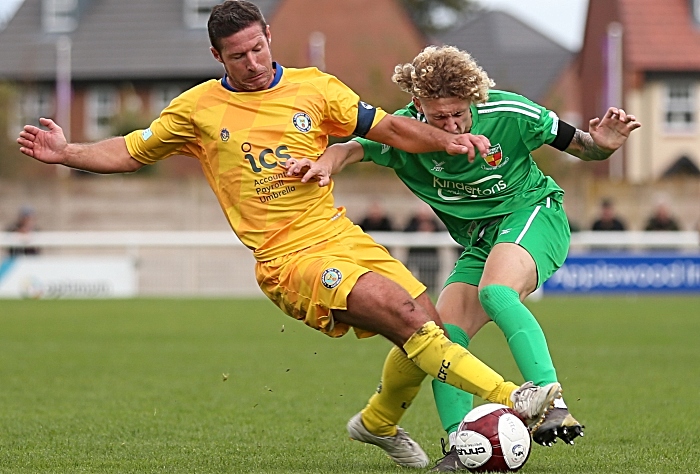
452 403
522 331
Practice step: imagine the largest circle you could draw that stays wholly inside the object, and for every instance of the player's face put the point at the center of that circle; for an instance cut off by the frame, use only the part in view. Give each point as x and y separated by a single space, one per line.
450 114
247 59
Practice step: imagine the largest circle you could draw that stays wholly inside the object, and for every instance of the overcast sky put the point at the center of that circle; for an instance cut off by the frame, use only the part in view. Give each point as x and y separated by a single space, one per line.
561 20
7 7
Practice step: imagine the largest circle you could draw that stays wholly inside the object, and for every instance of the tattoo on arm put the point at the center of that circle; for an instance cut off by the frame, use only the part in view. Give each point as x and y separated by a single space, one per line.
583 146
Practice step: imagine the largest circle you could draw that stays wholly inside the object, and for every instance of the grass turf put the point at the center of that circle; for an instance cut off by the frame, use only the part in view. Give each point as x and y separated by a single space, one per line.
138 386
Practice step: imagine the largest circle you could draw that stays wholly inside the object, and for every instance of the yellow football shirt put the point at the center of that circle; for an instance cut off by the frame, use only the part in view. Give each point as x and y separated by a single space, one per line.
243 139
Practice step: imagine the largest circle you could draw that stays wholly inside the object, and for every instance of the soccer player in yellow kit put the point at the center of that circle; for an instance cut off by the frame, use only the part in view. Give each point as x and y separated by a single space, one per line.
312 261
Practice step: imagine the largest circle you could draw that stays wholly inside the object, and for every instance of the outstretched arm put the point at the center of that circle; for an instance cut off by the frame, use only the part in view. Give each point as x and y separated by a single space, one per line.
604 137
416 137
335 158
50 146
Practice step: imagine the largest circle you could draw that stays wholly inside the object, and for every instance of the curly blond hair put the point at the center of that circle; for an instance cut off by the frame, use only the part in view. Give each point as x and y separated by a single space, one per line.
443 71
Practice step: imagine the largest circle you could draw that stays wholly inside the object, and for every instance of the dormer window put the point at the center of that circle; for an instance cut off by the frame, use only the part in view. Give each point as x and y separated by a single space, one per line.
60 16
197 12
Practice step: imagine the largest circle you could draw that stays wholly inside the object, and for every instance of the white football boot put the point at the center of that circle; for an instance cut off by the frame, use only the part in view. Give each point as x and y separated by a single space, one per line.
400 447
532 402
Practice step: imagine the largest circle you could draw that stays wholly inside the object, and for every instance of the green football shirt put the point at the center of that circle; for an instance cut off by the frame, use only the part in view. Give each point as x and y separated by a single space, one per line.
506 180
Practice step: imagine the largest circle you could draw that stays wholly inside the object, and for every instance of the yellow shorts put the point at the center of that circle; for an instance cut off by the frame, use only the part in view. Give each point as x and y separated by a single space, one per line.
309 284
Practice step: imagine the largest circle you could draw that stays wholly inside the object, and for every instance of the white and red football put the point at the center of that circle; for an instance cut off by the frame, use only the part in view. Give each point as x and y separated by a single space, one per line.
493 438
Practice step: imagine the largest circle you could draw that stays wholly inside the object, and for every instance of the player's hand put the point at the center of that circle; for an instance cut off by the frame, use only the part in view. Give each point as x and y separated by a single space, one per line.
611 132
309 170
470 145
42 145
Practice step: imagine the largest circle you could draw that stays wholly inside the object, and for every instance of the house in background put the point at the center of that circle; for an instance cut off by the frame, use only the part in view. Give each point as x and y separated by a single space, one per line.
517 57
128 58
645 56
359 41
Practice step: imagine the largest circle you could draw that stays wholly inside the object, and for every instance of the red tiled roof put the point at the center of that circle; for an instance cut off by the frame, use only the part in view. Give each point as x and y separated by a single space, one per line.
660 35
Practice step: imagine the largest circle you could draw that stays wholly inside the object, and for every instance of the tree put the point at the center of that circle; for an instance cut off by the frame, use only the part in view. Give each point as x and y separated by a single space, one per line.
434 15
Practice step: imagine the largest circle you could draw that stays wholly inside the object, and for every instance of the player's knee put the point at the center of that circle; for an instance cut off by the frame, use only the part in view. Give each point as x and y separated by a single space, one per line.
412 314
496 298
408 317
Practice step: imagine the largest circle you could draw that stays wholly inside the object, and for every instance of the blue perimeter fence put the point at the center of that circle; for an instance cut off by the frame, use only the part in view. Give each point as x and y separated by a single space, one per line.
627 272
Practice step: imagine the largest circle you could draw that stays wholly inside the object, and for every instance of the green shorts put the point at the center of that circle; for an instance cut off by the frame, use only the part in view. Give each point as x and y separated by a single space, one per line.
542 230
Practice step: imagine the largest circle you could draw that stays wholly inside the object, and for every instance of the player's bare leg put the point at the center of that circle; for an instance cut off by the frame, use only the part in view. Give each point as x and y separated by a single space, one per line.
380 305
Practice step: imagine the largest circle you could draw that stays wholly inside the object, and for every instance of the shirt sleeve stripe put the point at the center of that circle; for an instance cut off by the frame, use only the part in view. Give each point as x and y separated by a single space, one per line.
510 109
509 102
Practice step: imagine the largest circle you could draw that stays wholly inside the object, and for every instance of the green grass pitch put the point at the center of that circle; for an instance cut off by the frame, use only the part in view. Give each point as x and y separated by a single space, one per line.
214 386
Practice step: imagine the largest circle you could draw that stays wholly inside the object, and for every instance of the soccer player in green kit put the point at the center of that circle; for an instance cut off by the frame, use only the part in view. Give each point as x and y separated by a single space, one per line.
507 214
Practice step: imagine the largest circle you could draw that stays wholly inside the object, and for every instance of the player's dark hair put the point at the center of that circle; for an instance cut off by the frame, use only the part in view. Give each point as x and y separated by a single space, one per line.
231 17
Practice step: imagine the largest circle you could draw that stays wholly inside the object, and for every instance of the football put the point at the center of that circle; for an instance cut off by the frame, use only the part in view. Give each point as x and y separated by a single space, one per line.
493 438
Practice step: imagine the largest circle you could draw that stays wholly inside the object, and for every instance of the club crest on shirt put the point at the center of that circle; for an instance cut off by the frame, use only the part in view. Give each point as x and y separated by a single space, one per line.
494 158
302 121
225 134
331 278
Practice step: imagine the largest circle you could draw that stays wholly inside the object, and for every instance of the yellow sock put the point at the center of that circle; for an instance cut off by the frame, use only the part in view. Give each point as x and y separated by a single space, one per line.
448 362
401 380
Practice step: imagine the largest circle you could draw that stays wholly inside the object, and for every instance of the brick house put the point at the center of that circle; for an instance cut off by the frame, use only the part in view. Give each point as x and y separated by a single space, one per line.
645 56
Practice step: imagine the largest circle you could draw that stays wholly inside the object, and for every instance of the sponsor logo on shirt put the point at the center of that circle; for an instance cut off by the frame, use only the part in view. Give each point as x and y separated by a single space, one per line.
302 121
265 159
146 134
455 191
225 134
494 158
331 278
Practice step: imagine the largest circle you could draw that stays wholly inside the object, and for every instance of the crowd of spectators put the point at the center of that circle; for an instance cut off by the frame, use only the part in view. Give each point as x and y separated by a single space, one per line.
608 219
425 261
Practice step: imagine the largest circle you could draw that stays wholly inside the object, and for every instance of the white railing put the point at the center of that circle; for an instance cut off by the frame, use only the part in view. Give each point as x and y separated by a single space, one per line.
215 263
684 240
127 239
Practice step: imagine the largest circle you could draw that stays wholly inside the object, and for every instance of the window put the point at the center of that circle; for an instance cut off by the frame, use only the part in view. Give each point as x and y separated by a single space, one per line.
161 95
680 113
32 104
60 16
197 12
101 107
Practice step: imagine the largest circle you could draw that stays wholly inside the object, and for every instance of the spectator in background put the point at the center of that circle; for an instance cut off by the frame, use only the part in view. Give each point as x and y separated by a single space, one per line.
376 219
661 219
424 261
25 224
608 219
573 226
